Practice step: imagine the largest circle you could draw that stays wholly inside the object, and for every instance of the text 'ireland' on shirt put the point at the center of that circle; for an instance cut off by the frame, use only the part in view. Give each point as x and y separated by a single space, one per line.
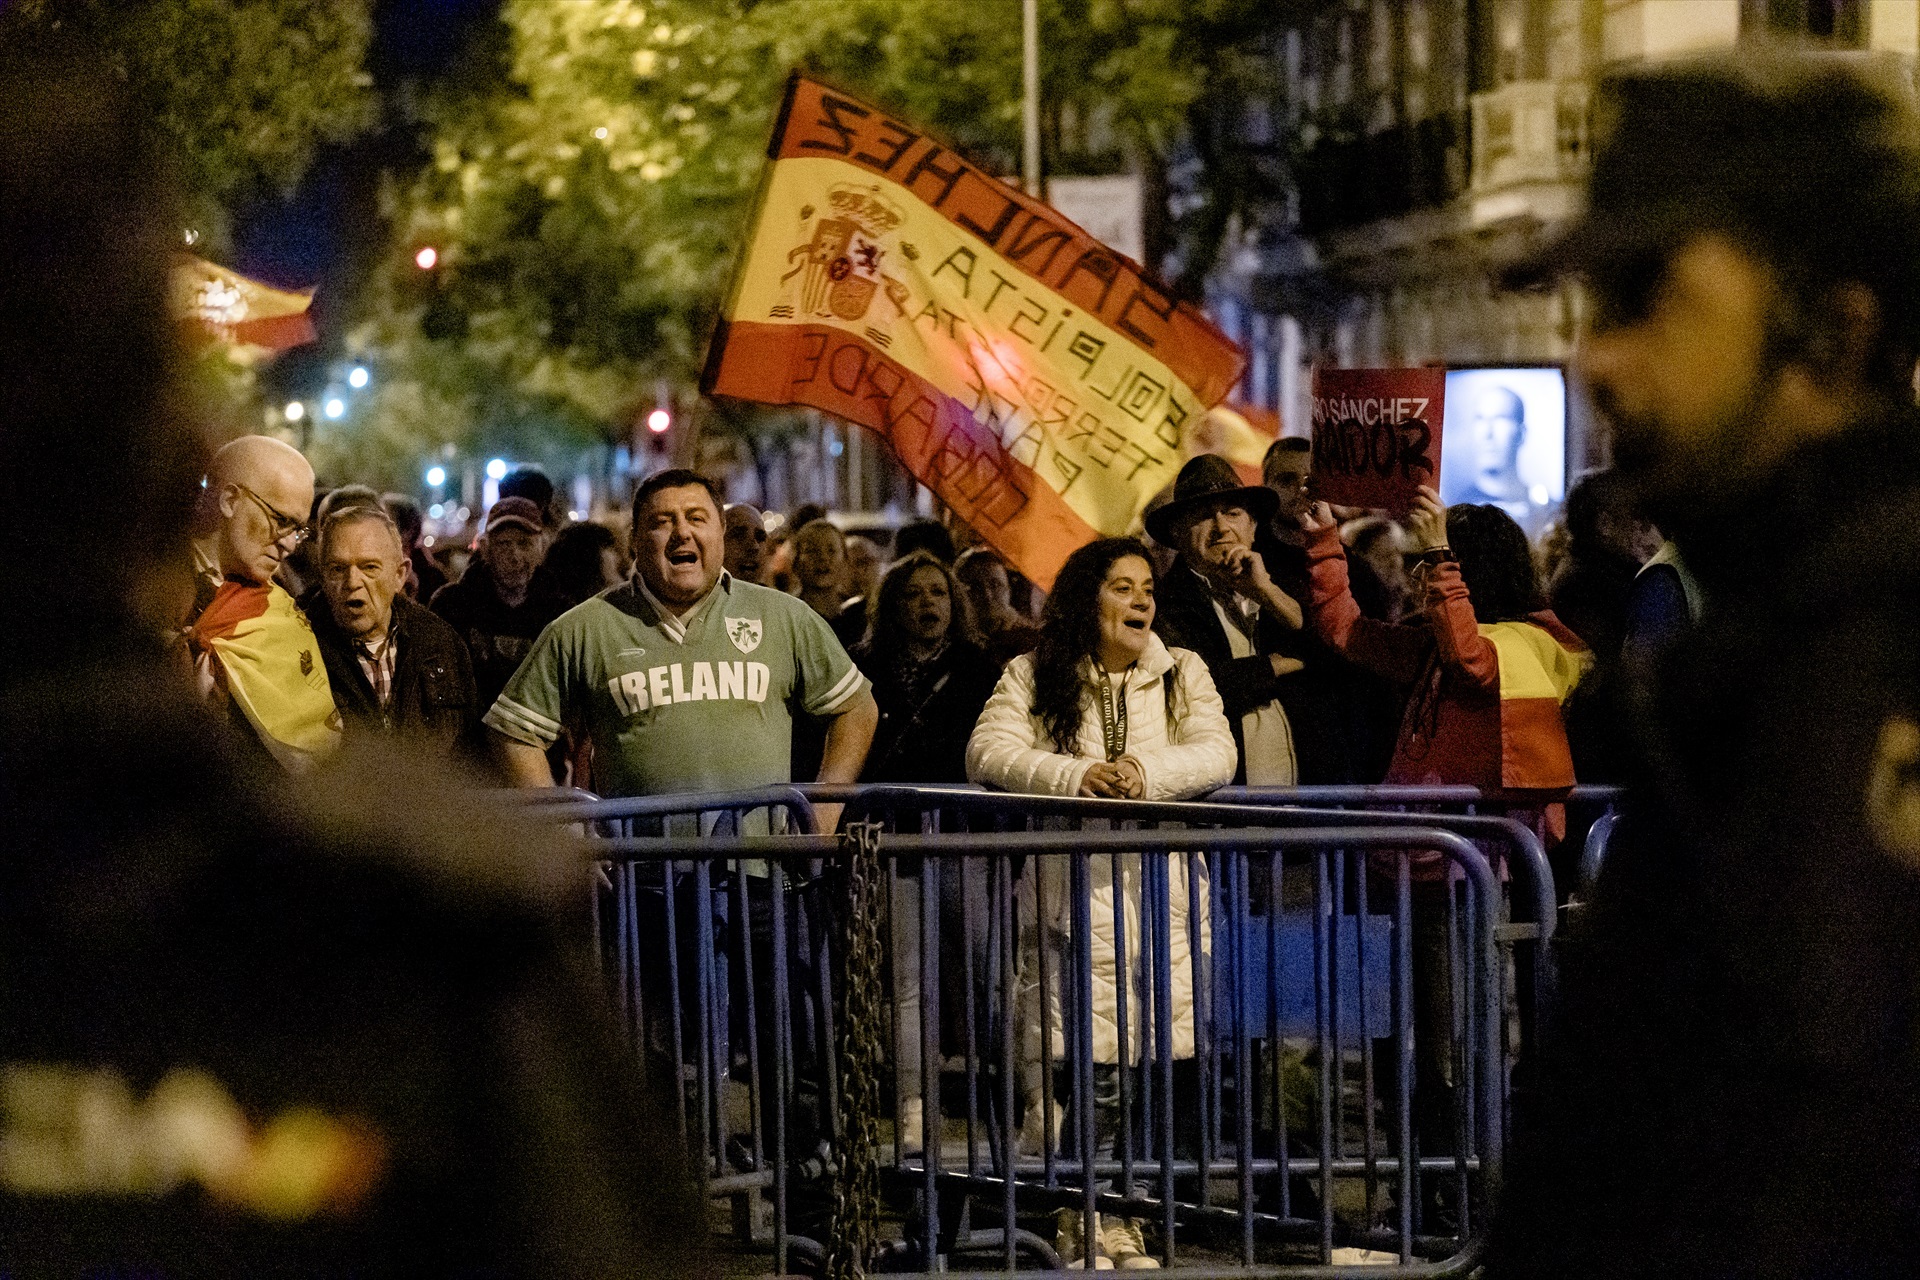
703 702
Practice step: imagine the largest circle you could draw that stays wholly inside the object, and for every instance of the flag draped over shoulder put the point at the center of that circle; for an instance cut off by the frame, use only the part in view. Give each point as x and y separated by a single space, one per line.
270 662
1041 384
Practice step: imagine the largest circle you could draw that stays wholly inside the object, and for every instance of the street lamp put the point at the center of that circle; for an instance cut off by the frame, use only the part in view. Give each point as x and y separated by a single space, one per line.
426 258
358 378
436 476
336 407
658 421
295 411
497 469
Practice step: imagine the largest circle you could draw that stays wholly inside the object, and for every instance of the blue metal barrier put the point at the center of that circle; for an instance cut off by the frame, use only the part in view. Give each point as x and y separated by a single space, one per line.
1593 854
1333 973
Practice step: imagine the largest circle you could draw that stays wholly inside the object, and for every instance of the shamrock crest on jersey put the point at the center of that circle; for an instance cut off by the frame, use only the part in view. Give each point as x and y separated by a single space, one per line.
745 633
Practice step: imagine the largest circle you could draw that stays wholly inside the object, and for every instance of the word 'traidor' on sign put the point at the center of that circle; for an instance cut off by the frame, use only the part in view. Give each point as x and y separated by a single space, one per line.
1376 435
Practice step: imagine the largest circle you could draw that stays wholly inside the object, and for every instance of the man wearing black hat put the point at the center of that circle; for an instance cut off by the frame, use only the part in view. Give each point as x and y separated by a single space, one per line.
1221 602
1731 1086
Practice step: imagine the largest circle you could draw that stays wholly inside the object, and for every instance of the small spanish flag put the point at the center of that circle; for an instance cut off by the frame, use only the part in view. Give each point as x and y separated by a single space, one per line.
252 319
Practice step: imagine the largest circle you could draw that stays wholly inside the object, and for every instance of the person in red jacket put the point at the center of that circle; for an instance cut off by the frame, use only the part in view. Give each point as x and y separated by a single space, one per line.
1490 667
1489 664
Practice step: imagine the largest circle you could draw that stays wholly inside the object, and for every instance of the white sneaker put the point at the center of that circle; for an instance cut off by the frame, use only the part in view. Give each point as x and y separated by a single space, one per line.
910 1132
1363 1258
1068 1243
1122 1240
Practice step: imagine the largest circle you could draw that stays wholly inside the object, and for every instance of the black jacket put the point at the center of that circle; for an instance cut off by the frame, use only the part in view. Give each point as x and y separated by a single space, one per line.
1726 1087
927 741
434 706
498 636
1185 619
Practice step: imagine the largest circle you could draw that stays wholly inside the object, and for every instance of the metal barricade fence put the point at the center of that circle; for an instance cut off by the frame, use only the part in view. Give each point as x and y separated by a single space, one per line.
1282 991
1528 916
687 983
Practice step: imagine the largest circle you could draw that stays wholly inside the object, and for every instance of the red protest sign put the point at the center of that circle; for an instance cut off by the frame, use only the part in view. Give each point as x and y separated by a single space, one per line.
1376 435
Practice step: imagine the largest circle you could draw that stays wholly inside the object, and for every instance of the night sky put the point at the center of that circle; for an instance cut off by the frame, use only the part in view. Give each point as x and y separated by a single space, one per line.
329 230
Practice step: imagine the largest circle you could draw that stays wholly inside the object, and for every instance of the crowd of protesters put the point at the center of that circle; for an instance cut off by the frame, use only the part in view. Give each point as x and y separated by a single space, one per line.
308 1031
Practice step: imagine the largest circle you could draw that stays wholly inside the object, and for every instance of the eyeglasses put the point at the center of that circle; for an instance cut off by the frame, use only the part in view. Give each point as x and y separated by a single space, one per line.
284 525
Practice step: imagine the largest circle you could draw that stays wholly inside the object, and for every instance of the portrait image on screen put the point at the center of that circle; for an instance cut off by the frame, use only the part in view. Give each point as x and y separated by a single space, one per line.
1504 441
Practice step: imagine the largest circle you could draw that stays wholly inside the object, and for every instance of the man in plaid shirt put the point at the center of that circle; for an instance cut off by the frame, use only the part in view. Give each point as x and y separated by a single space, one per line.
396 668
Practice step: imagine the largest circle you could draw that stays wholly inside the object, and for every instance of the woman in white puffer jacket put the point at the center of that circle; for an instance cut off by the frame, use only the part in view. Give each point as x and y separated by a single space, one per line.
1103 708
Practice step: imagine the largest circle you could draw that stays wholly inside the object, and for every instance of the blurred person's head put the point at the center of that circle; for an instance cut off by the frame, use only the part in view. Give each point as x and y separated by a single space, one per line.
926 535
1100 612
406 516
776 562
532 484
258 495
820 558
1751 249
746 540
1285 470
918 607
512 547
1602 517
982 574
679 540
865 560
1379 545
584 560
1495 562
347 495
805 514
89 412
363 566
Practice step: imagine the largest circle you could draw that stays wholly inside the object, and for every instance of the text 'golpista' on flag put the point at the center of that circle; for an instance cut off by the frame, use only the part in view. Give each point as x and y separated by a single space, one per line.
1044 386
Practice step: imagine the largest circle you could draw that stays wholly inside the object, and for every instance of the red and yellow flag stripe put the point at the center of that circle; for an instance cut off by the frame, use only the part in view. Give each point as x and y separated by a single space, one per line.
1043 385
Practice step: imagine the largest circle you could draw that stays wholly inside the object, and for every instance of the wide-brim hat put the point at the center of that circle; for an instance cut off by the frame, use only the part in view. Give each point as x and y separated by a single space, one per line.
1206 479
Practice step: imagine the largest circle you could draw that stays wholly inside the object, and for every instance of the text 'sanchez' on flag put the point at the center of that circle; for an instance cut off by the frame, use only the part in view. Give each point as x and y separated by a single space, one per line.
1041 384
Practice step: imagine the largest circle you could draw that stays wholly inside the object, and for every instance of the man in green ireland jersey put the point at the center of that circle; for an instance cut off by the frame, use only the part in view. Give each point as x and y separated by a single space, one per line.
685 679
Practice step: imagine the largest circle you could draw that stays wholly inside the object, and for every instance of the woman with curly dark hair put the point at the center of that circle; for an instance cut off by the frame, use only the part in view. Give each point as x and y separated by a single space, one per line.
1103 708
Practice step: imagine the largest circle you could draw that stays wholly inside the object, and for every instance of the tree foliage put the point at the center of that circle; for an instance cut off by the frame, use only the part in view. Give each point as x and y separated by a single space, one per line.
588 201
244 91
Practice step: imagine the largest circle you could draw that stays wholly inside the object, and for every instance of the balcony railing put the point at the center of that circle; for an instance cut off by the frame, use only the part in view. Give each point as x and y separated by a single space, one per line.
1529 131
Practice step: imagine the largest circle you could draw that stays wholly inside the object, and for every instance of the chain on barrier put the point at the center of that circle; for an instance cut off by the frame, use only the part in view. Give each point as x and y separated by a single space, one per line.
855 1222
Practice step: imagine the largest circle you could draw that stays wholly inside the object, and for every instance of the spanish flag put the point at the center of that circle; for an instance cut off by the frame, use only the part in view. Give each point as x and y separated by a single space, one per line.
251 319
1044 386
265 653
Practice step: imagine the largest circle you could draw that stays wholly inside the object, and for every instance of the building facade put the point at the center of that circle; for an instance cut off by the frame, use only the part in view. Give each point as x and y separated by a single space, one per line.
1434 140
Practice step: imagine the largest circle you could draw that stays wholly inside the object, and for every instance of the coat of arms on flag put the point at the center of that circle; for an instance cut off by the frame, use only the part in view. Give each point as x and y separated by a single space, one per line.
1044 386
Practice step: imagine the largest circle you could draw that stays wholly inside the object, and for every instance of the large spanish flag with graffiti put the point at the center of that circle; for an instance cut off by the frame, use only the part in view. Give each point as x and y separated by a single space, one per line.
1044 386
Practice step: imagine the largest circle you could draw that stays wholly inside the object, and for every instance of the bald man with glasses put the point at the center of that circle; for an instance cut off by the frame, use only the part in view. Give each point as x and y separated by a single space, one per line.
253 650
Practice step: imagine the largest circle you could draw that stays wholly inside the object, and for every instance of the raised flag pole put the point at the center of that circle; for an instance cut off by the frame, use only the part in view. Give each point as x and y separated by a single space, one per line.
1030 95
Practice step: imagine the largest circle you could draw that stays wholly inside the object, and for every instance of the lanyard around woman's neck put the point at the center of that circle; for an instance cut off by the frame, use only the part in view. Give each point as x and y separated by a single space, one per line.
1113 712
